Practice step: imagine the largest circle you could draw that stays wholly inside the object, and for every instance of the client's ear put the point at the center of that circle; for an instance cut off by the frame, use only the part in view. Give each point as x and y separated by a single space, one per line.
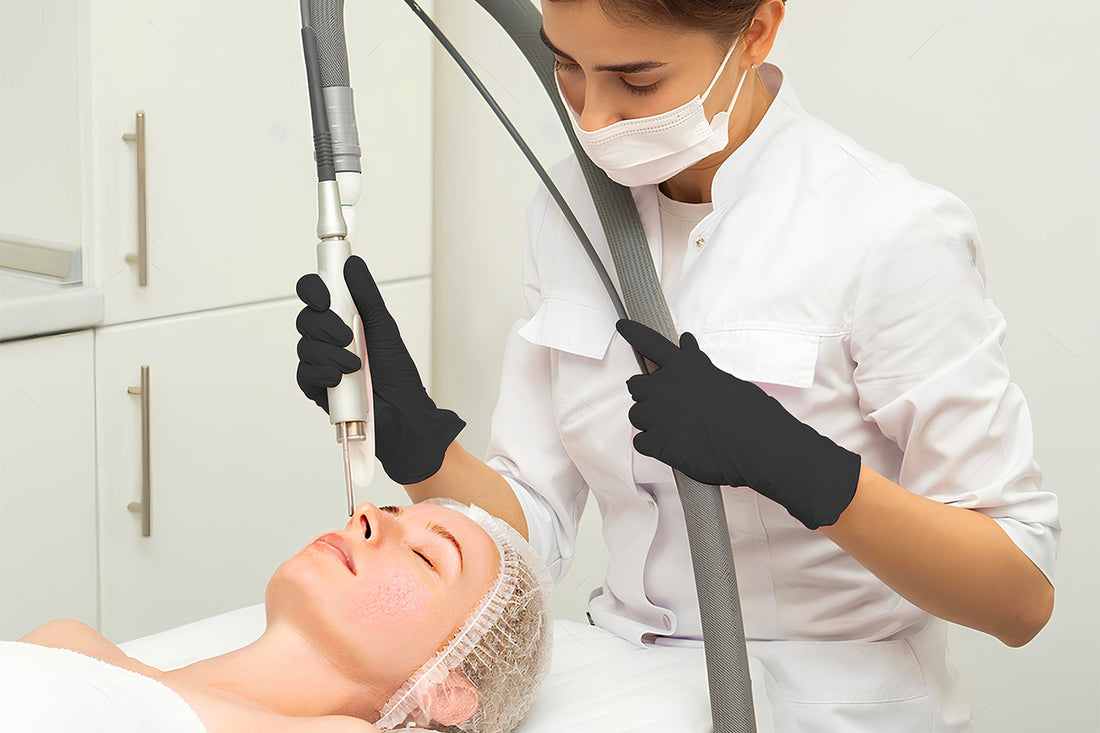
454 700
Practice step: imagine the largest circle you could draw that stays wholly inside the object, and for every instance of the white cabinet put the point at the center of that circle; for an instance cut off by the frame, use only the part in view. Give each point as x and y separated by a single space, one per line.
231 184
244 469
40 178
47 482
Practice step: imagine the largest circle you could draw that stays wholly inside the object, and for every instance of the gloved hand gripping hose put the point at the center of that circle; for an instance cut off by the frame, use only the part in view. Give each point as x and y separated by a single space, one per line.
708 534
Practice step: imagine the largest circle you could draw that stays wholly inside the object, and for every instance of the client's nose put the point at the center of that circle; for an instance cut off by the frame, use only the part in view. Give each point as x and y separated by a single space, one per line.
375 522
365 519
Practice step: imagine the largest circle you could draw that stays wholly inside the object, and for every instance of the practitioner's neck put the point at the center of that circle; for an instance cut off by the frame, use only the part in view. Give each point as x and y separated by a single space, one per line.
283 672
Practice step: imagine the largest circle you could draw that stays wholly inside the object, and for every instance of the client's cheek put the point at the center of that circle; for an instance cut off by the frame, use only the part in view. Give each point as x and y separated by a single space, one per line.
401 596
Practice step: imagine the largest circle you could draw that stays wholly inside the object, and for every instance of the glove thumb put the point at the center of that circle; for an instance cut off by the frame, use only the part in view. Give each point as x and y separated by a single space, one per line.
363 289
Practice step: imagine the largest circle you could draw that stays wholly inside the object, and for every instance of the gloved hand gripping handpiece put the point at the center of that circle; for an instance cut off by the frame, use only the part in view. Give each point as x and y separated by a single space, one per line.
349 402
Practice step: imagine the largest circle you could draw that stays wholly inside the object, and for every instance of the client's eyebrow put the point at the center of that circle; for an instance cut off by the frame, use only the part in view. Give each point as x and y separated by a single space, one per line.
442 532
633 67
435 529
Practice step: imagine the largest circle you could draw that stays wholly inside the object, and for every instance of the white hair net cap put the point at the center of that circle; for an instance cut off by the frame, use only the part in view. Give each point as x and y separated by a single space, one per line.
503 647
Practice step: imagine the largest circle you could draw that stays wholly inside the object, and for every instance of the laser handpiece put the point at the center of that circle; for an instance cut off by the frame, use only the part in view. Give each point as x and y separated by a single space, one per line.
350 402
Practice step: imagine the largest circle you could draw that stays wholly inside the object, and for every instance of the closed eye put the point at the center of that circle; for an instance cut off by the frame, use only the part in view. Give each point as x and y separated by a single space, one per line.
425 558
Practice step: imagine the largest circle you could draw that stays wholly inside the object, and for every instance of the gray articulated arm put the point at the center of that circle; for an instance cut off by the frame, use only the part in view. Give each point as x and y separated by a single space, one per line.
708 534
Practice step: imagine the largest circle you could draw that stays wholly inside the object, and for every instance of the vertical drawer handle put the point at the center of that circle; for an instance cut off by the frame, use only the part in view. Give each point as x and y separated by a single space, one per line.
142 256
143 506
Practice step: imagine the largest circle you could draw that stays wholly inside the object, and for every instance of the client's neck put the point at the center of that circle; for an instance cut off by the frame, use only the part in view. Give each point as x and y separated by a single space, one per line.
283 672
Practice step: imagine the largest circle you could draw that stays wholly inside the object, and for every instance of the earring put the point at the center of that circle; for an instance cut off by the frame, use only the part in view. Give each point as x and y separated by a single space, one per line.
754 66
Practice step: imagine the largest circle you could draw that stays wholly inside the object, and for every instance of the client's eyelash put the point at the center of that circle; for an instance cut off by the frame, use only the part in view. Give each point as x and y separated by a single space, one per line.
425 559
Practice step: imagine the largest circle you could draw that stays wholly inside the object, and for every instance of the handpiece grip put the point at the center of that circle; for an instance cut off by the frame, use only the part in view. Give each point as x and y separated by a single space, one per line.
351 400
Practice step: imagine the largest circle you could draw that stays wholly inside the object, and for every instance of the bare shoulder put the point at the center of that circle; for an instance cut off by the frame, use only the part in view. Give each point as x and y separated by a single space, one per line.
343 724
328 724
69 634
79 637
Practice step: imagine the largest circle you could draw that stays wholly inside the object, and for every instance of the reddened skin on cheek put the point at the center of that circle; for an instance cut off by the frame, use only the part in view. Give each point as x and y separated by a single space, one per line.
403 595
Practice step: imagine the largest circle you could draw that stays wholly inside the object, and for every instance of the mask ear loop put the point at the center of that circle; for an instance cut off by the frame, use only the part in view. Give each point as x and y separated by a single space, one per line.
718 74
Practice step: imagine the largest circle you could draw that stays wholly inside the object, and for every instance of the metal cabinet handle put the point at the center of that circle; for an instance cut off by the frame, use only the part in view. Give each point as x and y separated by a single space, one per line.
143 506
142 256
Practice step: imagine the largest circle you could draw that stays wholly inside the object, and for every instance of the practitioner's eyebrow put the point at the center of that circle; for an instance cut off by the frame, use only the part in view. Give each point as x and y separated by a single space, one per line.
633 67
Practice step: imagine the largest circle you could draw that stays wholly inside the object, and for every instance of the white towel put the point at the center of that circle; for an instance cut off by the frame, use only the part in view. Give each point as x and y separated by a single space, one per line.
46 690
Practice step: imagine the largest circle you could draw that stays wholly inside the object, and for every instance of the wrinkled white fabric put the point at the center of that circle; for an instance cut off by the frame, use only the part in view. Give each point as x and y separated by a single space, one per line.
46 690
852 293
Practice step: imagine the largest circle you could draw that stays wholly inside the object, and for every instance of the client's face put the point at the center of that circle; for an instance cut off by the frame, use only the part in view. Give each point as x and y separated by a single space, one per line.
386 592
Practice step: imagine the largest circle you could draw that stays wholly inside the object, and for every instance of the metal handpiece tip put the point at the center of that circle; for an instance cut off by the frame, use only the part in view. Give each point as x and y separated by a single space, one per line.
347 479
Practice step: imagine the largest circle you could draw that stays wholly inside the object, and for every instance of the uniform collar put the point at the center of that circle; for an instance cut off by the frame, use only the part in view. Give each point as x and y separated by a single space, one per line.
733 178
734 175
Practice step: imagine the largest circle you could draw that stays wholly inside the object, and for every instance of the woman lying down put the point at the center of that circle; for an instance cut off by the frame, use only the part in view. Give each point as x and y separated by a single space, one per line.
433 615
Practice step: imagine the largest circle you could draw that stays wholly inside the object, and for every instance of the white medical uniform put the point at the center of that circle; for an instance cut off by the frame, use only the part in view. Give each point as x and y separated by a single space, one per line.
853 294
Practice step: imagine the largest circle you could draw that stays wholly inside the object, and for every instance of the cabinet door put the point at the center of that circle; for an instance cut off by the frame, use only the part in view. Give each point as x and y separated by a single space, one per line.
47 482
40 151
231 184
244 470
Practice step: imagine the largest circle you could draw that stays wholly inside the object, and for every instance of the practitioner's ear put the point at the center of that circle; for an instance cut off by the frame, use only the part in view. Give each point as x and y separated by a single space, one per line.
454 700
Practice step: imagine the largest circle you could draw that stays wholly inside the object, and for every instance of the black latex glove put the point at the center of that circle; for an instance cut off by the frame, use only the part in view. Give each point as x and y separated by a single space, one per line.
722 430
411 433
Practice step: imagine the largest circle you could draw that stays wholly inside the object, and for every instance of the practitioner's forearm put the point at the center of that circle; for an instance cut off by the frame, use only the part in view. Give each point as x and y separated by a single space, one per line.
464 478
955 563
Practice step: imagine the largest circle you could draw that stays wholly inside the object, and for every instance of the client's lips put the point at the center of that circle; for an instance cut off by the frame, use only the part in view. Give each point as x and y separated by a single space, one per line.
335 543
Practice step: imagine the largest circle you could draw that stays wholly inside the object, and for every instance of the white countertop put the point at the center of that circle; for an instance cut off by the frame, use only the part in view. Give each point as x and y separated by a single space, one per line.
31 306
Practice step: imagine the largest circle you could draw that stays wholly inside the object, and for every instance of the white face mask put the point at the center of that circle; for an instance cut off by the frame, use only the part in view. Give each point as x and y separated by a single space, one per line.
650 150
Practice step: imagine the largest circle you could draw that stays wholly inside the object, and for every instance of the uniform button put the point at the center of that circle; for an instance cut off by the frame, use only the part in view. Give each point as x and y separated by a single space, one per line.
700 242
668 622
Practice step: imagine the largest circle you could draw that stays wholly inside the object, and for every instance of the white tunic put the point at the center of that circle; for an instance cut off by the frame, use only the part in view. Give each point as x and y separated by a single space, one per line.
853 294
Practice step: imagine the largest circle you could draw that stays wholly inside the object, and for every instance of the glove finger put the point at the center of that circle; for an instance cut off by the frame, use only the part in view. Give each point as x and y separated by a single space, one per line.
364 290
316 377
650 443
642 415
323 326
318 353
649 343
312 291
640 386
310 384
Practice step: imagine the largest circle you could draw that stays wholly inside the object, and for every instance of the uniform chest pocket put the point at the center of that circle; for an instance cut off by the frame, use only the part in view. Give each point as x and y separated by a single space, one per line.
572 327
766 356
856 687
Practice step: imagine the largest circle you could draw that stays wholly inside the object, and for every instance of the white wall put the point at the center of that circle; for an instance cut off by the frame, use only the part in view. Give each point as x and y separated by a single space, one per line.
995 101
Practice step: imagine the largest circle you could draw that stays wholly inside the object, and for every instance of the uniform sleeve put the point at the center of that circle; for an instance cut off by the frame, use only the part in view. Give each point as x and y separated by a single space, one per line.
931 375
524 446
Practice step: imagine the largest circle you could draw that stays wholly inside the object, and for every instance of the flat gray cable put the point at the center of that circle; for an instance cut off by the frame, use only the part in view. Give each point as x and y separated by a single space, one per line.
531 158
704 512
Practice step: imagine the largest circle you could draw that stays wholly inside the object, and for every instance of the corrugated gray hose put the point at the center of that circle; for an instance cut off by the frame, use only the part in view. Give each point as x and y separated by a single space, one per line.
708 534
326 17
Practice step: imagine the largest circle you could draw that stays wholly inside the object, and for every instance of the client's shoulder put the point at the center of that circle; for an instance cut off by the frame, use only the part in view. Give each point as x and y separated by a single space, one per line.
325 724
67 633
